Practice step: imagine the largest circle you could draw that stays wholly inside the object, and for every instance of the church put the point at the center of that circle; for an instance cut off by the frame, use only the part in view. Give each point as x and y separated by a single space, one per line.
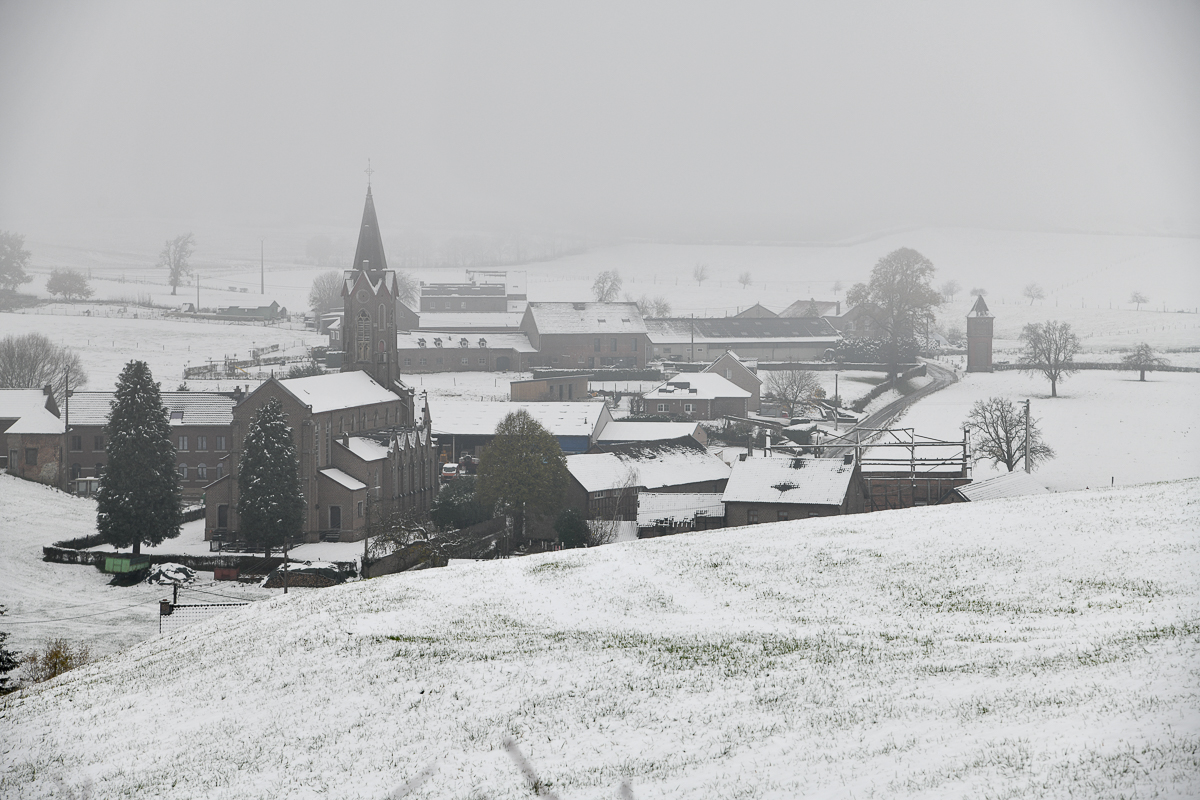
363 437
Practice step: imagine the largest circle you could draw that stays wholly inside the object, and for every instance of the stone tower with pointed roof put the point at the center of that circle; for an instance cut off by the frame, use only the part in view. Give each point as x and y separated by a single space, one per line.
371 297
979 337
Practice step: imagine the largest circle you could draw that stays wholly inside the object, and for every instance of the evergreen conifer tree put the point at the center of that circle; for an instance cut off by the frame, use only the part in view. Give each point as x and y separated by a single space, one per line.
139 498
9 660
270 504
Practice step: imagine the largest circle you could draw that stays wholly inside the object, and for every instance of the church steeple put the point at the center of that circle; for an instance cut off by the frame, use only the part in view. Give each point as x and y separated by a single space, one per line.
368 256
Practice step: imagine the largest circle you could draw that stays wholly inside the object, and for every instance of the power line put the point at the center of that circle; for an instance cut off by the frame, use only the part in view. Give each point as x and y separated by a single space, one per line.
81 616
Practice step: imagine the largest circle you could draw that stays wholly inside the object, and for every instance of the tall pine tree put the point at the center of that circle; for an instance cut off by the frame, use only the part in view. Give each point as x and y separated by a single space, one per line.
139 499
270 503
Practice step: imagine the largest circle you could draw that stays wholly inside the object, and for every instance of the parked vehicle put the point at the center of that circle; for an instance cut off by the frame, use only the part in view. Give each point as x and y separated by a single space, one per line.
449 471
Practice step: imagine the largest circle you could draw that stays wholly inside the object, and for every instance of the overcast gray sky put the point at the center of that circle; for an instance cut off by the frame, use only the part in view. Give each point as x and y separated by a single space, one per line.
736 121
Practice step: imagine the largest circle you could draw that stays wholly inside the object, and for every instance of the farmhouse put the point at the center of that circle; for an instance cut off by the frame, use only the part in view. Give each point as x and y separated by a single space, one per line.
32 430
605 483
741 373
766 339
448 351
201 431
700 395
574 335
782 488
467 426
558 387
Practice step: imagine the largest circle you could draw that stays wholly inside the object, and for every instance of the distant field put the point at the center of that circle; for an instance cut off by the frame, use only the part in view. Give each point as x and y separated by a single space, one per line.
1039 647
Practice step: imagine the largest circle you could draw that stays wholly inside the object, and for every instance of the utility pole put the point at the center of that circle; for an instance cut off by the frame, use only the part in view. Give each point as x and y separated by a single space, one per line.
197 293
692 351
1029 467
262 274
285 562
835 401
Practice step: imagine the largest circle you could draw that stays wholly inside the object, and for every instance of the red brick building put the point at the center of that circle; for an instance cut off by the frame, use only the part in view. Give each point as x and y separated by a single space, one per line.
699 395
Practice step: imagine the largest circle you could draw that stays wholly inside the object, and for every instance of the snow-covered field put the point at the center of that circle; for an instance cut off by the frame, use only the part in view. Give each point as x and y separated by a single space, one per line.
1106 426
1038 647
49 600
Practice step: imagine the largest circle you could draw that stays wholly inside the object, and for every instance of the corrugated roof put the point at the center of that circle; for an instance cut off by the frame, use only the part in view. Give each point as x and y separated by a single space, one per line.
696 386
738 329
601 318
28 408
805 481
1011 484
673 508
480 417
651 466
186 408
338 390
621 431
452 340
349 481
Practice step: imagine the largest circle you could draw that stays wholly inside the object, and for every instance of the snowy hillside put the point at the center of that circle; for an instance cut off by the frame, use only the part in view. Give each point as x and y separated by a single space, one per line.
1029 648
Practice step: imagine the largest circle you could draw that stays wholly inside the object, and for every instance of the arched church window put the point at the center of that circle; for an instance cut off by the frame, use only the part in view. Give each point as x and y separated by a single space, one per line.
362 337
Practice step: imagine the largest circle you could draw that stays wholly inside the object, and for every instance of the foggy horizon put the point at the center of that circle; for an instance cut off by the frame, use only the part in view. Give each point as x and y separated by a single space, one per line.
671 123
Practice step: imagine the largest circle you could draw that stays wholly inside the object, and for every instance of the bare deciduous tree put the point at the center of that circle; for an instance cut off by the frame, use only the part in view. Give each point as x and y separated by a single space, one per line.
326 292
700 274
998 434
33 361
979 291
949 289
744 279
406 288
1144 359
175 256
1050 349
1137 298
14 258
1033 292
607 286
656 306
794 388
606 526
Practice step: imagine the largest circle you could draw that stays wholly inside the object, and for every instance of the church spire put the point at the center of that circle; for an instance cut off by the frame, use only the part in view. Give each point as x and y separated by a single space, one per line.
368 256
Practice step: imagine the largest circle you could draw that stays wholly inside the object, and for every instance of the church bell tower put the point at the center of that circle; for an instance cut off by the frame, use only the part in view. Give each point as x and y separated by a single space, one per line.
370 295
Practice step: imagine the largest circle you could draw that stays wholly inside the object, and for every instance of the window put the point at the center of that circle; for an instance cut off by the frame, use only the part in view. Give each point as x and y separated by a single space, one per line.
729 374
222 516
177 415
465 361
560 392
570 391
31 456
360 509
76 471
596 344
362 337
183 472
662 407
782 516
220 442
687 408
183 443
592 360
463 305
201 442
220 470
483 361
97 443
633 345
814 514
614 345
408 362
423 361
76 445
751 516
335 517
201 472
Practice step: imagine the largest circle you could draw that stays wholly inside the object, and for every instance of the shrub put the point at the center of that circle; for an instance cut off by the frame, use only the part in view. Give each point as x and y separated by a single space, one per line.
56 657
572 529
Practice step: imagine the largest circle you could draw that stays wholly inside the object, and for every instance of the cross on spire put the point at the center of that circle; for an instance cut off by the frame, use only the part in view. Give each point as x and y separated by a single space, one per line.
369 172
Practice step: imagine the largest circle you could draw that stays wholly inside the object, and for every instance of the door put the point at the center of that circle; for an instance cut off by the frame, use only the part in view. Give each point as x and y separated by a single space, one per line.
502 363
222 516
335 518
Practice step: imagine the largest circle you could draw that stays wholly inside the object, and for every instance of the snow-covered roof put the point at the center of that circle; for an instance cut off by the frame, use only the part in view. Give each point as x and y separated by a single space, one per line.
696 386
803 481
366 449
349 481
186 408
621 431
740 329
28 408
670 508
652 466
432 320
452 340
556 318
338 390
480 417
1010 484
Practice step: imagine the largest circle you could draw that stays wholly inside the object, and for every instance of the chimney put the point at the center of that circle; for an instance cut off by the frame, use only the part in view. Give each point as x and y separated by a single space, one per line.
848 459
47 390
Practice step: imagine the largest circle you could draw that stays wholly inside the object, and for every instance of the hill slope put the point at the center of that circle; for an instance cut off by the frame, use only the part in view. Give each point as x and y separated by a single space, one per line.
1034 647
